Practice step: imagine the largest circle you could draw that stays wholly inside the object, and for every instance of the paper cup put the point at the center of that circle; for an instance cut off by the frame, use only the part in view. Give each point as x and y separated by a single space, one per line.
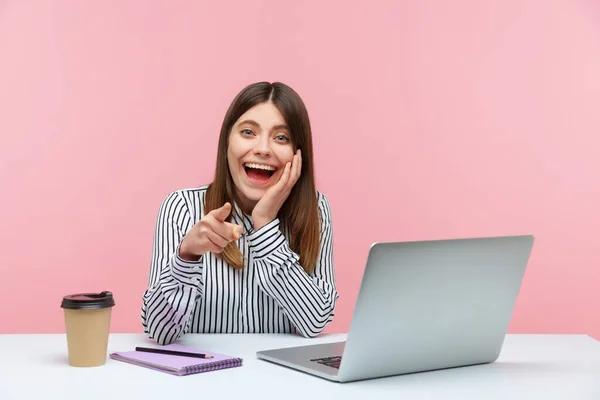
87 323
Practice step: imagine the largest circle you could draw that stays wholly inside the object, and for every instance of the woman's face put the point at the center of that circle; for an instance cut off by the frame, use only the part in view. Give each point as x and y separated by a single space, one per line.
260 145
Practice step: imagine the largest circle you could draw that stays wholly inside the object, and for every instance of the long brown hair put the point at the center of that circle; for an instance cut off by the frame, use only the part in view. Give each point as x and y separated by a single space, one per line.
299 215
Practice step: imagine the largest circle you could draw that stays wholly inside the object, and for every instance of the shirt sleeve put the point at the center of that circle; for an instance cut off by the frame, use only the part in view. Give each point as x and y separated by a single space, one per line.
307 300
174 283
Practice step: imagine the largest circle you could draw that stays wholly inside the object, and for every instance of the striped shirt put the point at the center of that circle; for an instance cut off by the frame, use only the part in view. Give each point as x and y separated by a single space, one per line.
271 294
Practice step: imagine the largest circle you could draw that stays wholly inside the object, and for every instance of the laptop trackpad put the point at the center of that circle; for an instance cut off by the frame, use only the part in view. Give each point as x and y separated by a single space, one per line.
324 356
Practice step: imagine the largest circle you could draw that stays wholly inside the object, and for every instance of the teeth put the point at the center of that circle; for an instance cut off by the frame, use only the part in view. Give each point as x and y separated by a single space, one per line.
260 166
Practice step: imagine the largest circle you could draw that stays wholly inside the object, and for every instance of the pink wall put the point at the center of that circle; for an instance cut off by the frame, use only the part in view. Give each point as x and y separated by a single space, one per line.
446 119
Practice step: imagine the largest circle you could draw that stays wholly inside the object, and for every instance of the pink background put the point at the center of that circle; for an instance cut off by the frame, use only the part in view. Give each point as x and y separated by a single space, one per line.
431 120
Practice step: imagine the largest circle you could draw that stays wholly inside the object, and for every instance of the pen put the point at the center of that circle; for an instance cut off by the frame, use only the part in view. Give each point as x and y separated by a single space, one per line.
172 352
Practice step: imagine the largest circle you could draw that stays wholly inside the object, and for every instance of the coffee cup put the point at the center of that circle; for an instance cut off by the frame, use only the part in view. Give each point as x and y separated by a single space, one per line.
87 322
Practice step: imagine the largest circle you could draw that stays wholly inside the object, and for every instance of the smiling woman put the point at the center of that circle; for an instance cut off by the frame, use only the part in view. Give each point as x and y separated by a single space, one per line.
250 252
259 172
259 150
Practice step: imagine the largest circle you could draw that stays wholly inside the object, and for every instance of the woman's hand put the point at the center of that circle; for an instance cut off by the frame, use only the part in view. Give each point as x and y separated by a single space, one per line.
268 206
212 233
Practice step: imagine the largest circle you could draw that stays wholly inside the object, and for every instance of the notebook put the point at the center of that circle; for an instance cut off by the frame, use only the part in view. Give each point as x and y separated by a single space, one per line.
178 365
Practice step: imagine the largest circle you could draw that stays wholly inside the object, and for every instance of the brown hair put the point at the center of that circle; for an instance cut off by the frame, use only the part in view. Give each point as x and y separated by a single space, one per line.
299 215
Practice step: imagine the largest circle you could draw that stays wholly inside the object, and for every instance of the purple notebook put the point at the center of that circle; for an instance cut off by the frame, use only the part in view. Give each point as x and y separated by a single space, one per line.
178 365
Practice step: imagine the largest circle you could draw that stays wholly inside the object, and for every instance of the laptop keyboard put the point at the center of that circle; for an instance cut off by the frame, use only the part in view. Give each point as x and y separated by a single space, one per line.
333 361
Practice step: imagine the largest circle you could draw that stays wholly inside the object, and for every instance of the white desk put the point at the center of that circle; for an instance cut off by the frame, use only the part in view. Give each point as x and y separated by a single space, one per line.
530 367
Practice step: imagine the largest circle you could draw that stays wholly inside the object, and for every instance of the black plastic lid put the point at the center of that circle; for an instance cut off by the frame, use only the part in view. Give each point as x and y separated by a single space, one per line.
88 301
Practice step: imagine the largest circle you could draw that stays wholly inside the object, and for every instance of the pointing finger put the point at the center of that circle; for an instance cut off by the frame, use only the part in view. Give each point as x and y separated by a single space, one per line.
221 213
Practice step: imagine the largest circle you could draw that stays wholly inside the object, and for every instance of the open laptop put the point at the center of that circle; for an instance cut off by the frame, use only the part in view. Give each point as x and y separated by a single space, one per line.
423 306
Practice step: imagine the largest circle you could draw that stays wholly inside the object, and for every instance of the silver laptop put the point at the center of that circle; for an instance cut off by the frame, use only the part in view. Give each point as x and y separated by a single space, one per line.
422 306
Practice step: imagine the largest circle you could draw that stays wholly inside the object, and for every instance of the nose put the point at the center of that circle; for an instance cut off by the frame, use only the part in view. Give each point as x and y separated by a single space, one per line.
263 147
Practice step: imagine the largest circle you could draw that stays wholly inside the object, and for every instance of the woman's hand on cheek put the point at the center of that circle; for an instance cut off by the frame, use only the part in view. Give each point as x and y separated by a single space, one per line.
268 206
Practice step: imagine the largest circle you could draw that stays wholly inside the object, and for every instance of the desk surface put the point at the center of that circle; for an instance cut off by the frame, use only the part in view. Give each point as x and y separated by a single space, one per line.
530 366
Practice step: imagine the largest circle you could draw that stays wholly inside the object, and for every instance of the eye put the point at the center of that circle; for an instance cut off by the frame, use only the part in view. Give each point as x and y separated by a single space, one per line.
282 138
247 132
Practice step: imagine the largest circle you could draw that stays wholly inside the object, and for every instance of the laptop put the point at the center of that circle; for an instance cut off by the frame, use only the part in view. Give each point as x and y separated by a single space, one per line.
422 306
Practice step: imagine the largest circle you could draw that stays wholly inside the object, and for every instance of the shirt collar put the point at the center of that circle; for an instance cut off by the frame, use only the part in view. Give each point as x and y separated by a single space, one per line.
242 218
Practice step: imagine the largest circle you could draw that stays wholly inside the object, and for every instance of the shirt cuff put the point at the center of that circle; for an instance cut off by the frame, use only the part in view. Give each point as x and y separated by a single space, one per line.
269 243
189 272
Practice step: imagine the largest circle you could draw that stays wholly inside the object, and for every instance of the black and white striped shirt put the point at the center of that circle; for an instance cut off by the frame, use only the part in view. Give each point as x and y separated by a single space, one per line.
271 294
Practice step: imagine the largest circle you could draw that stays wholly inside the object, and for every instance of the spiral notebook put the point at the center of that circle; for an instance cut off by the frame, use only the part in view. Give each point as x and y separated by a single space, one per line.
178 365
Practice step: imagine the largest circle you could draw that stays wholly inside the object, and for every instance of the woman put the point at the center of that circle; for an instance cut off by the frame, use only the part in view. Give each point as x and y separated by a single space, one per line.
252 251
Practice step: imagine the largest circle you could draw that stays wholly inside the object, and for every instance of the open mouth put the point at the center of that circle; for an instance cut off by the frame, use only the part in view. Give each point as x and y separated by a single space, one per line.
259 173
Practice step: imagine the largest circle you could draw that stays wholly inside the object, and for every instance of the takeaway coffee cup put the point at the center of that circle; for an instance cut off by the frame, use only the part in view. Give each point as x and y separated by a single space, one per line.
87 322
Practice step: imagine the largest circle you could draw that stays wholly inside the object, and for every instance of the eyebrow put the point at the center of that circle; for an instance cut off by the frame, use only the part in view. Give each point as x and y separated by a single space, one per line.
257 125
